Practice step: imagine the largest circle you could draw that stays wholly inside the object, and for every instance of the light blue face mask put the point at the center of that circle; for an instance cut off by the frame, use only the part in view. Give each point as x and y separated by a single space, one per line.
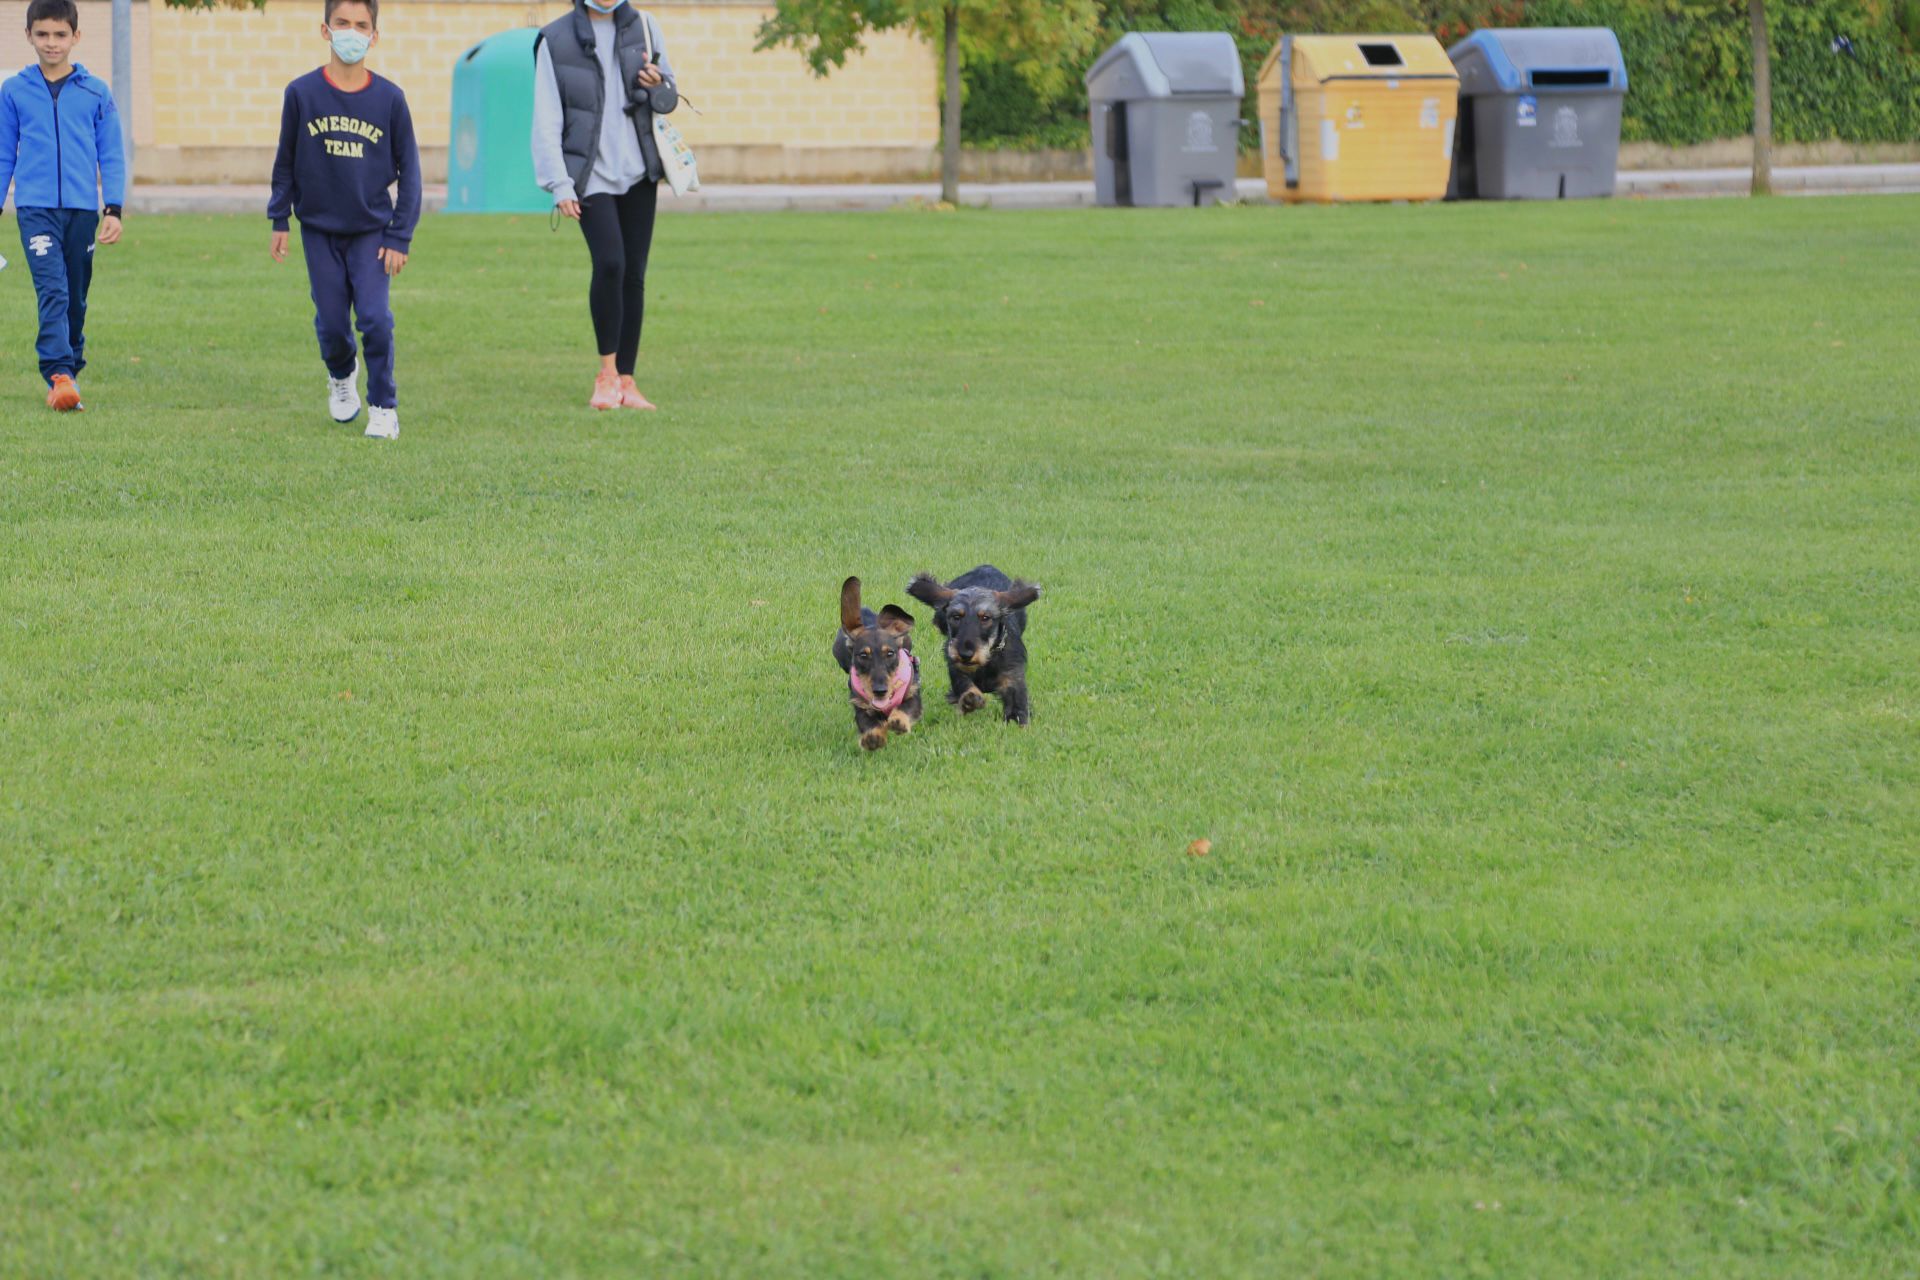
349 46
604 8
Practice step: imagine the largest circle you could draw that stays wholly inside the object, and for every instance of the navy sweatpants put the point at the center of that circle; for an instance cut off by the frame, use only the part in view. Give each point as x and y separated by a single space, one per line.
350 283
59 248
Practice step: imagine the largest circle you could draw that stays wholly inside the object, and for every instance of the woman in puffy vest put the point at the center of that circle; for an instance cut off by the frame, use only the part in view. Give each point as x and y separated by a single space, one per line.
600 75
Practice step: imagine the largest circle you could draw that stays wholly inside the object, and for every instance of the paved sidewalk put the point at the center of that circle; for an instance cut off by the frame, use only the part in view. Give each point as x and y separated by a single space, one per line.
1884 179
1828 180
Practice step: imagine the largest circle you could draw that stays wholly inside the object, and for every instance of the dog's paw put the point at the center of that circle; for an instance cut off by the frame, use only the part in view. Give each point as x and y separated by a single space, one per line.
899 723
874 738
972 700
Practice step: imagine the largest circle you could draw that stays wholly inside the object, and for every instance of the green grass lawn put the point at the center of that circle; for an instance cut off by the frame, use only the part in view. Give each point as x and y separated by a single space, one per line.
454 857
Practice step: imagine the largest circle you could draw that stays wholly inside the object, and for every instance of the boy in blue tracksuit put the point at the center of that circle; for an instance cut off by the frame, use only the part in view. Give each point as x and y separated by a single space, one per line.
60 148
345 137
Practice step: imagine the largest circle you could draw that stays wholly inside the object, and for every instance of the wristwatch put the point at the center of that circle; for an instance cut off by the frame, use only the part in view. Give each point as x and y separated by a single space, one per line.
111 211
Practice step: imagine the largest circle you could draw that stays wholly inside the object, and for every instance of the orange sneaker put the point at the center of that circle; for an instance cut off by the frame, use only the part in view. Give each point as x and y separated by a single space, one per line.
63 396
606 391
630 397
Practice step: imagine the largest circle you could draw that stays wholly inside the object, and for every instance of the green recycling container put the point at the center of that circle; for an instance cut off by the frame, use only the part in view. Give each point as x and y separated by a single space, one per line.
490 156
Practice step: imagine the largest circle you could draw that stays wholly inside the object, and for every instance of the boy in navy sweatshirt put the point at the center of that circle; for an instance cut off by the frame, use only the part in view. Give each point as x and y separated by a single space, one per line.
60 147
345 137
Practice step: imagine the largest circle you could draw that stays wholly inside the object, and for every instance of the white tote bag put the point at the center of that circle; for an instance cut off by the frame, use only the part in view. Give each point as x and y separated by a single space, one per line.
676 157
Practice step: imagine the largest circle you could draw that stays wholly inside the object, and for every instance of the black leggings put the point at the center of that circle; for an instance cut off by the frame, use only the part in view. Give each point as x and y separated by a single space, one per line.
619 231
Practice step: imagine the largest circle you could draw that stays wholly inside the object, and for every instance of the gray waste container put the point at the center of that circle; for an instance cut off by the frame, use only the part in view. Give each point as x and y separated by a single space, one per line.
1166 119
1540 113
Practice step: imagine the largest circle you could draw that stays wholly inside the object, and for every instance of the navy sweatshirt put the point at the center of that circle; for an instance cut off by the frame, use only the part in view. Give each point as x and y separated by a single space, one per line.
339 152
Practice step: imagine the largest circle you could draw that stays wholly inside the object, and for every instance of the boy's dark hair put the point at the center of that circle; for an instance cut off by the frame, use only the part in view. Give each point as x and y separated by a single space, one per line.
373 10
53 11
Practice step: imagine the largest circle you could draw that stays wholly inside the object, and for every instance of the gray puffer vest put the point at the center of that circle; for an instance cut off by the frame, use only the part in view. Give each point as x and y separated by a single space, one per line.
583 89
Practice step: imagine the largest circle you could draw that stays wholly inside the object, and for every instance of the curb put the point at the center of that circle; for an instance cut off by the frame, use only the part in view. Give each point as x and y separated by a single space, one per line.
1882 179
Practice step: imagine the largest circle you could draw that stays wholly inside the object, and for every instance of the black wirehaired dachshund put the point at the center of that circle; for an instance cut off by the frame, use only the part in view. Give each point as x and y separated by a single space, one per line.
983 614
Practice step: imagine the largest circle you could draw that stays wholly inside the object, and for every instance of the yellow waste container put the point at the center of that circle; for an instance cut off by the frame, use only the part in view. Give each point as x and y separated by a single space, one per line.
1357 118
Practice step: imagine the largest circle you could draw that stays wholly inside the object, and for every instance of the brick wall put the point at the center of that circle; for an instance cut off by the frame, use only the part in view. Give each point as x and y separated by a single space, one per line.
207 84
95 52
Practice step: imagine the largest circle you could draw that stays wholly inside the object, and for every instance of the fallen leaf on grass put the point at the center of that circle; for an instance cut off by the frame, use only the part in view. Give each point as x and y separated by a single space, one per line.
1200 848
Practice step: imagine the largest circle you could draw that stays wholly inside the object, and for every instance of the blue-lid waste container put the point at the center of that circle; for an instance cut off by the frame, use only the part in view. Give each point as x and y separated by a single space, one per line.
1539 113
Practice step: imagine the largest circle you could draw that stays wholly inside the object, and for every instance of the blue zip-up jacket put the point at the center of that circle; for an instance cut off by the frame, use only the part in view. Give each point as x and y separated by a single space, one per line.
60 153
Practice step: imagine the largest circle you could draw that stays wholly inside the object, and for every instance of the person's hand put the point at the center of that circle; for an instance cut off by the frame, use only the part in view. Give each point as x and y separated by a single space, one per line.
394 260
279 248
650 76
109 230
569 207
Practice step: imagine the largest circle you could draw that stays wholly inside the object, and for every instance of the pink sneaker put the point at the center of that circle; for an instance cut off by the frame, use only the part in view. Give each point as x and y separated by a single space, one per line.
630 397
606 391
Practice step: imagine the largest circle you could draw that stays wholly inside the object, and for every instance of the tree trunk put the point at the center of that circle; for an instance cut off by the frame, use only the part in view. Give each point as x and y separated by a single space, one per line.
950 117
1762 100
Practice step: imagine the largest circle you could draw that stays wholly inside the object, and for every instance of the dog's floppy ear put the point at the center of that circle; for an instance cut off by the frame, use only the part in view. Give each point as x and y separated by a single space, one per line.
850 605
1017 596
895 619
928 589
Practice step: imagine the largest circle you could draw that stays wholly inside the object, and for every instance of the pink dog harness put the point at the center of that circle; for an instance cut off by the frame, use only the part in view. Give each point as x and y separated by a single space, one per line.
906 674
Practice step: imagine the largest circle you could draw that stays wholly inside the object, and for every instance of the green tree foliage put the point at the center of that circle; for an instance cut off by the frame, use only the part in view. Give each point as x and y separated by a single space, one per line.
1036 44
1042 41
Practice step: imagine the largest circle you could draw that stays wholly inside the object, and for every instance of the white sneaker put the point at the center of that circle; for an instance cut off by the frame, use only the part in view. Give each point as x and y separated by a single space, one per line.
343 400
383 424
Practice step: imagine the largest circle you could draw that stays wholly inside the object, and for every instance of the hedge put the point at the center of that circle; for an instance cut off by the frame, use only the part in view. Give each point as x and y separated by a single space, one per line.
1842 69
